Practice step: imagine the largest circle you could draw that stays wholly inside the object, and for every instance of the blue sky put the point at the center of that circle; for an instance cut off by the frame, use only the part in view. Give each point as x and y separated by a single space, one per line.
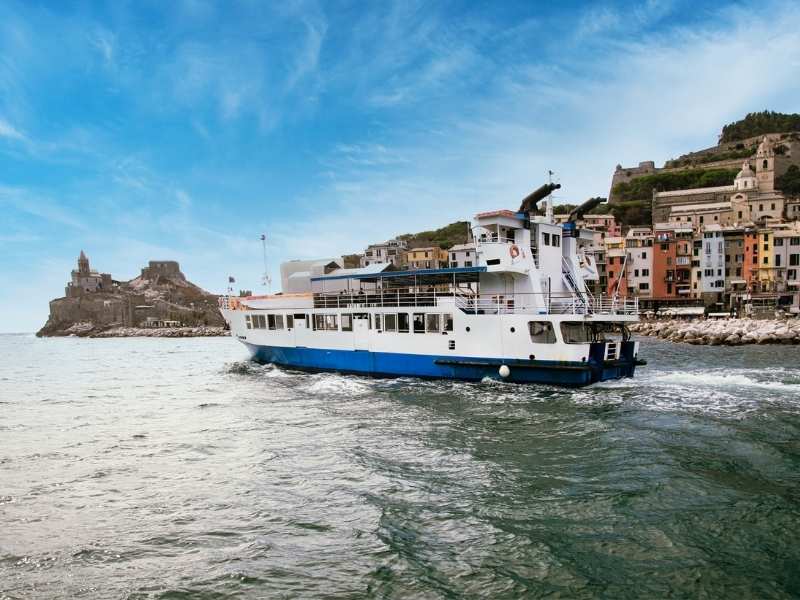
182 130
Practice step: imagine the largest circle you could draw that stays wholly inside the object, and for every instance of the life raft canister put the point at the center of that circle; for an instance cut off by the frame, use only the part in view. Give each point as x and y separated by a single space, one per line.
514 251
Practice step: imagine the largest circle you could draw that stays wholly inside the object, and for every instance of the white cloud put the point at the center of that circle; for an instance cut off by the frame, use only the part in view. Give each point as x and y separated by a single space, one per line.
9 131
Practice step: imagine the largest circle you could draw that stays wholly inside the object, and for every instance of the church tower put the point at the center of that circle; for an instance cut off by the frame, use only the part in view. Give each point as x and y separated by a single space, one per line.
765 165
83 264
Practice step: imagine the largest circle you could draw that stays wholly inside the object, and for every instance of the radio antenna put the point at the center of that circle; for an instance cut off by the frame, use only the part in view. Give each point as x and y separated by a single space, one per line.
266 280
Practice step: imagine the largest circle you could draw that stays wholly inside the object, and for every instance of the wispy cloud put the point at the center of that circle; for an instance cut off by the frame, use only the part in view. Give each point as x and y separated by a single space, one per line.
9 131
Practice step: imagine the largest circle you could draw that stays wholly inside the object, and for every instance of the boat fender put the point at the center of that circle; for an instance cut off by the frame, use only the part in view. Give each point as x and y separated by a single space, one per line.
514 251
504 371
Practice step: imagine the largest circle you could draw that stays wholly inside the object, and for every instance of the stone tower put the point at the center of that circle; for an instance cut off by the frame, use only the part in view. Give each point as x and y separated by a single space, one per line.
765 165
83 264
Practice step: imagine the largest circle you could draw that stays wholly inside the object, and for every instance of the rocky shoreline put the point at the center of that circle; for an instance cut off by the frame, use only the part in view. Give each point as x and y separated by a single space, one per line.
722 332
86 329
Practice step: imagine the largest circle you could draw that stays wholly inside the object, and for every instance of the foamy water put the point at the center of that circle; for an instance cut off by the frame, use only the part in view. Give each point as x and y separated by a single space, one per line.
148 468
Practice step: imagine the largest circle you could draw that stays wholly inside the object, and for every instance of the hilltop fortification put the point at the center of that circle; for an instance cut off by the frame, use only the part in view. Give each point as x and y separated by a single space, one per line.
161 297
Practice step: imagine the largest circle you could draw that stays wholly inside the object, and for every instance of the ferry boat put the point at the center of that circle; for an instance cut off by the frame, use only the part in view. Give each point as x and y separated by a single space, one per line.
522 313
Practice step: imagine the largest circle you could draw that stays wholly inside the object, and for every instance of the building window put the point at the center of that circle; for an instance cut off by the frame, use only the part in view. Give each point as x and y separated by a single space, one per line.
778 242
772 206
777 260
765 164
645 272
644 286
766 260
795 241
794 260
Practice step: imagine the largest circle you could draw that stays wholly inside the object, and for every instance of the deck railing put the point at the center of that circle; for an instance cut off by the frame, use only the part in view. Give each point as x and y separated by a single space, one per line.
485 304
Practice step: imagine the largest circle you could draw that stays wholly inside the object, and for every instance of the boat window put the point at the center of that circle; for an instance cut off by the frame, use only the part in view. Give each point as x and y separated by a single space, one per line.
347 322
262 321
278 321
378 321
330 323
556 240
390 322
247 321
542 332
576 333
300 316
419 323
289 322
432 323
448 321
271 321
319 322
402 322
546 238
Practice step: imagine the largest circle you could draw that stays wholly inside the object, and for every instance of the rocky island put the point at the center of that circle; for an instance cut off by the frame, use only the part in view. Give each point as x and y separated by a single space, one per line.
160 302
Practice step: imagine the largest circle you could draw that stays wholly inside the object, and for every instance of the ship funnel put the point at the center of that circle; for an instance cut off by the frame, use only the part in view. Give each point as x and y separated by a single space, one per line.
577 213
529 202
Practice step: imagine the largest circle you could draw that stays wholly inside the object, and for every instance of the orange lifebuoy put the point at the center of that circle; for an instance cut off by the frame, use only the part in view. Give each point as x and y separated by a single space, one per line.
514 251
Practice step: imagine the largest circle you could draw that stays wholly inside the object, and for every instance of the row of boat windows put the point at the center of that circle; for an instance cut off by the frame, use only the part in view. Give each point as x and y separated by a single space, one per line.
269 321
576 332
389 322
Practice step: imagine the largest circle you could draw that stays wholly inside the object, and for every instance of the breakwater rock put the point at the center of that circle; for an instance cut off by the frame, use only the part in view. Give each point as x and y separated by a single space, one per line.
170 332
723 332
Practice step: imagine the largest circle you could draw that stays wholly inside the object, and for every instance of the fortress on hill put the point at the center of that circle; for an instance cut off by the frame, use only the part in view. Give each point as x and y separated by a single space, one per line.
159 297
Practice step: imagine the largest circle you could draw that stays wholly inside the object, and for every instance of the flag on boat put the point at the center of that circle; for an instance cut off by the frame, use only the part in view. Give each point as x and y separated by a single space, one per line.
231 279
263 237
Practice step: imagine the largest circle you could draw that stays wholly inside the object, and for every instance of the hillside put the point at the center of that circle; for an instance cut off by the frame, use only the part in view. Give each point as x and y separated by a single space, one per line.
158 296
444 237
755 124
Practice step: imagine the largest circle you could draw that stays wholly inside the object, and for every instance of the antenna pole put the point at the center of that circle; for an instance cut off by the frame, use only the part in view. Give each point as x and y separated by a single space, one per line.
266 280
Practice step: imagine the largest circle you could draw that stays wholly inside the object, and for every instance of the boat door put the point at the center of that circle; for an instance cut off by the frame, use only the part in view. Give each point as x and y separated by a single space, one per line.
360 331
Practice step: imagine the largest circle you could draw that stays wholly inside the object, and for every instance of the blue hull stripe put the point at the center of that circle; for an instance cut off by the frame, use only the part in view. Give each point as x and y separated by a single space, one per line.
439 367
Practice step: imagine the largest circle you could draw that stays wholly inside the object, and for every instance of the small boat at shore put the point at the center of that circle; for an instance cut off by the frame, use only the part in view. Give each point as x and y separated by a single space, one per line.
522 312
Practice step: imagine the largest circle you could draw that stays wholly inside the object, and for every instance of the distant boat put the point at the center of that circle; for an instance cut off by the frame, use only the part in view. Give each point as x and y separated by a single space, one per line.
521 313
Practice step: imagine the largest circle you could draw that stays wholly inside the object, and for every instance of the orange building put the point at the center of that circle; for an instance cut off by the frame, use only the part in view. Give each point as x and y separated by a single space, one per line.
672 261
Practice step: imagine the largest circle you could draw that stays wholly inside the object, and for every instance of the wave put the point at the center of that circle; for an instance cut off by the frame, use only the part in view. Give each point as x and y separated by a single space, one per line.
723 380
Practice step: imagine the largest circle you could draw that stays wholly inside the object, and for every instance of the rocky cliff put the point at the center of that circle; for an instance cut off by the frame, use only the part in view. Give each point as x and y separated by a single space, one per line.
150 299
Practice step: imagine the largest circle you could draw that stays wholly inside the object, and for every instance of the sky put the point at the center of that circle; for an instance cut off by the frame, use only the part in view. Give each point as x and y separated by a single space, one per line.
184 130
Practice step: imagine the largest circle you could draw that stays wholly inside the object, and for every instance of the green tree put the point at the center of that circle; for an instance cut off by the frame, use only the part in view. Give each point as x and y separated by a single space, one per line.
760 123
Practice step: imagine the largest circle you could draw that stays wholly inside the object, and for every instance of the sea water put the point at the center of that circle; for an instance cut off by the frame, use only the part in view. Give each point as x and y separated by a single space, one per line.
175 468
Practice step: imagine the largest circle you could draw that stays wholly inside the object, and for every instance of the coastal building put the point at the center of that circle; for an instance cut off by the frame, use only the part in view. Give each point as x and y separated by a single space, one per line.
672 261
639 251
85 280
617 283
391 251
711 273
296 274
462 255
430 257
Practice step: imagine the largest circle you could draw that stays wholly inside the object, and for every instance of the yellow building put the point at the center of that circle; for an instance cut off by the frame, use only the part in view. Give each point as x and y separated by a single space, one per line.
766 273
427 258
